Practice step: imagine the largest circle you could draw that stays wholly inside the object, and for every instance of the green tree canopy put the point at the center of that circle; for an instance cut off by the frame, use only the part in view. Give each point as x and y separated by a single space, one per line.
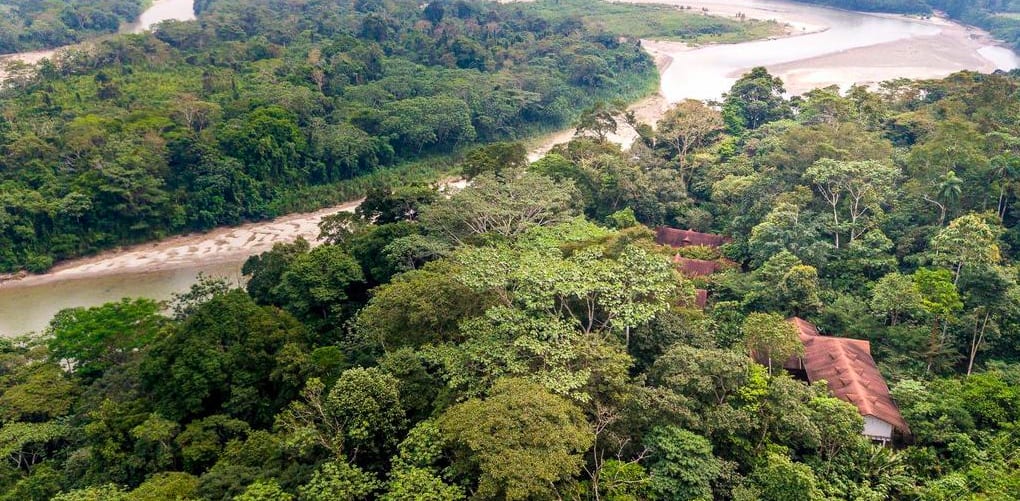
224 357
517 458
93 339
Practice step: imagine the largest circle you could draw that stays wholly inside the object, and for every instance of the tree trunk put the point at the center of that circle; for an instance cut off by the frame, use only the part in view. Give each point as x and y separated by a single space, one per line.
975 343
932 341
1002 204
835 222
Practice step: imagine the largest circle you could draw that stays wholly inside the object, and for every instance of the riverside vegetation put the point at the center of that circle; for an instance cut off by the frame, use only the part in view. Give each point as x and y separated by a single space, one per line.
525 338
228 118
45 24
263 108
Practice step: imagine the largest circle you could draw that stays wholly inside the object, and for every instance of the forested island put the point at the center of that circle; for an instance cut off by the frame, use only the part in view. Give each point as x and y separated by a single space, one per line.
540 333
45 24
1000 17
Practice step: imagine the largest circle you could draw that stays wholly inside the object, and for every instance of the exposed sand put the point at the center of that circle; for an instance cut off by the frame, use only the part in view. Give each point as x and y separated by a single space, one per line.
220 245
953 48
11 64
28 57
647 110
843 48
735 8
158 11
956 47
217 246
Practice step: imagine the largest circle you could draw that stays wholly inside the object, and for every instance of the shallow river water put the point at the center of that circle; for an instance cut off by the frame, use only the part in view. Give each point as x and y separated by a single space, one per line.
162 10
830 47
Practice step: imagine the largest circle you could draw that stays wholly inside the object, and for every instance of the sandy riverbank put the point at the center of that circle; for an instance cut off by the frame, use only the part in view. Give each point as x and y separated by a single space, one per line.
650 109
955 47
217 246
945 48
647 110
15 63
730 8
220 245
157 12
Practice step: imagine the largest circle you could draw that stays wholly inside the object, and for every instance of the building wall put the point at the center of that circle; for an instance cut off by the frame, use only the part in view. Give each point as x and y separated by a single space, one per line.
877 429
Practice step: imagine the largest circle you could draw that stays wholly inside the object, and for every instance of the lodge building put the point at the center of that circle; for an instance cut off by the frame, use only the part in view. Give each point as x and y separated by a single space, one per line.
692 268
844 364
849 370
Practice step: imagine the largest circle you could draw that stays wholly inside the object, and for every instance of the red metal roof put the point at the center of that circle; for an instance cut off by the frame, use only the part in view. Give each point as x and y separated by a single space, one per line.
850 371
682 238
700 298
693 268
806 329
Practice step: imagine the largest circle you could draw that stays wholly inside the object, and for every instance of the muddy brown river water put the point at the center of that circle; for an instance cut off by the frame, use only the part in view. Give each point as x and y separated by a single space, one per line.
827 47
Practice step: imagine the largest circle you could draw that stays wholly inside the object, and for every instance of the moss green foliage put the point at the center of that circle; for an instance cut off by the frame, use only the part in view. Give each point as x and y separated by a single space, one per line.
684 467
544 362
655 21
526 338
96 338
517 458
259 108
41 24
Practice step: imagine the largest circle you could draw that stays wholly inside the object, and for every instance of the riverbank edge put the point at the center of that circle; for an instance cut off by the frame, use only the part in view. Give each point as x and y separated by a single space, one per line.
651 103
935 14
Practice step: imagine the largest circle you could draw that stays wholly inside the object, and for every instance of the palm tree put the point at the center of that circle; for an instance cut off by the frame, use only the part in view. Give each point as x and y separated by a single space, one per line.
950 188
947 193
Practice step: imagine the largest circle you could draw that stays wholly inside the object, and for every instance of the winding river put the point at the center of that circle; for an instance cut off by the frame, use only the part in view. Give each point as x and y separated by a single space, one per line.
825 47
828 47
158 11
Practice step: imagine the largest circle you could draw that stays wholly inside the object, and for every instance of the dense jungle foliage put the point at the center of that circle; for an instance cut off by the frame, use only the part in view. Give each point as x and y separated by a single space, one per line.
235 116
1000 17
525 338
43 24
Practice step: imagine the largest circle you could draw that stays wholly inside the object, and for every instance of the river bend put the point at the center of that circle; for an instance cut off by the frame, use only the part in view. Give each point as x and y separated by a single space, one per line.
826 47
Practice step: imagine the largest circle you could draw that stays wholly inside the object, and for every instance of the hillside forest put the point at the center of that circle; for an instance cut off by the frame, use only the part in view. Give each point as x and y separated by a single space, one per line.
263 108
525 337
45 24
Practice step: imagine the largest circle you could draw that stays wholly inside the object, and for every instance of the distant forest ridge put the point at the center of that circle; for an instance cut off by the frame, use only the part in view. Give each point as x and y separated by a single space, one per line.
238 115
1000 17
44 24
262 107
